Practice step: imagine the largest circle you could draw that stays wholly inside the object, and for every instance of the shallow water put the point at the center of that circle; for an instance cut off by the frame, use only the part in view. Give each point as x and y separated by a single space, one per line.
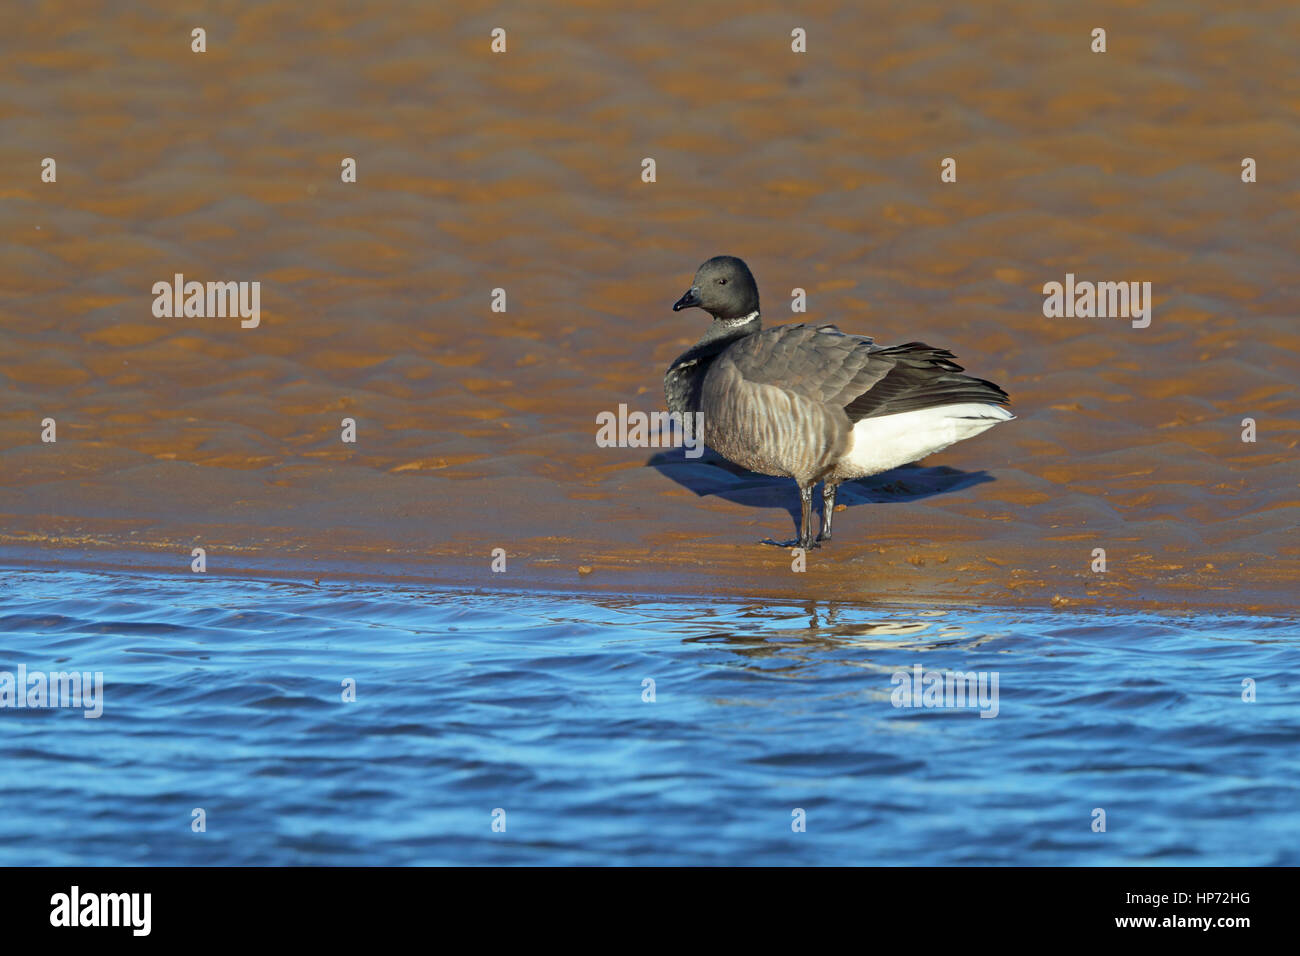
224 694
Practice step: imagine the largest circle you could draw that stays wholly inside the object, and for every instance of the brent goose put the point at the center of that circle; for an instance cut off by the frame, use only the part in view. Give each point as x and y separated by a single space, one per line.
812 403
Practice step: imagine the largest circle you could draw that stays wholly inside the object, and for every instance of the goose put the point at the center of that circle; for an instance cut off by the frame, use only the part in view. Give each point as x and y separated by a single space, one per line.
812 403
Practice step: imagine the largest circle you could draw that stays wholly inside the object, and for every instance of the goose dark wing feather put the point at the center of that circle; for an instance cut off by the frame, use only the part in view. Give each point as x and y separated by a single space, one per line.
921 377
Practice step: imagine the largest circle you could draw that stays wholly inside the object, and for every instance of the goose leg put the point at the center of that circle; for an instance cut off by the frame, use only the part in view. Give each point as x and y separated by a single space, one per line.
807 537
828 509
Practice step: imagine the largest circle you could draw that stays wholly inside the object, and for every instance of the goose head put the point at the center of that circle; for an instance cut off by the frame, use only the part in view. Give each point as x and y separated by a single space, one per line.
723 287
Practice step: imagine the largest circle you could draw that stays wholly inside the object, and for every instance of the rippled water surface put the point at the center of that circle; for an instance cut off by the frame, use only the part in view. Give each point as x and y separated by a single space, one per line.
225 695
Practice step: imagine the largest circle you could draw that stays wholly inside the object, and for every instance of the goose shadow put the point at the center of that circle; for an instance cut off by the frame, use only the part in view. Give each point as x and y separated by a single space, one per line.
711 474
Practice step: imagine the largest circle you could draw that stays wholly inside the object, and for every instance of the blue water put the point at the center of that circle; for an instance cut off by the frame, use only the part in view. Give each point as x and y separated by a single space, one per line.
225 695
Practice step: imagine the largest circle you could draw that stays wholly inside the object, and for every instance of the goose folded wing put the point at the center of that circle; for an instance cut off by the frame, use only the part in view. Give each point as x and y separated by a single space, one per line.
819 363
831 368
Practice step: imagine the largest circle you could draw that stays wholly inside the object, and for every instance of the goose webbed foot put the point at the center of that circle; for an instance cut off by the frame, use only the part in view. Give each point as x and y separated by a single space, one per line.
793 543
808 538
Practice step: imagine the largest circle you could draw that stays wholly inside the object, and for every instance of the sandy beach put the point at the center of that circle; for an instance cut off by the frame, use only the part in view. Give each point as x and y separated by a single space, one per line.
522 171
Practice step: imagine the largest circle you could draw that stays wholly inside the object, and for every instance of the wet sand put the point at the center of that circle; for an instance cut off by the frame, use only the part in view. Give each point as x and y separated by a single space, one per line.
522 171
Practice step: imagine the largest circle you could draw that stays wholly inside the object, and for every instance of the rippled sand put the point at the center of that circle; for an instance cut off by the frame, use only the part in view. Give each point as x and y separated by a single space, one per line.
522 171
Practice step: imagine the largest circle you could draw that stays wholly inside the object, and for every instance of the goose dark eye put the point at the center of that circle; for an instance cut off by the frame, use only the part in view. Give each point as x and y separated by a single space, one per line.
722 282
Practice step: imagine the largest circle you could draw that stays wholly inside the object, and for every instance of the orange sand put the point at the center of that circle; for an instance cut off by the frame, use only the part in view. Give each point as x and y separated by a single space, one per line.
522 171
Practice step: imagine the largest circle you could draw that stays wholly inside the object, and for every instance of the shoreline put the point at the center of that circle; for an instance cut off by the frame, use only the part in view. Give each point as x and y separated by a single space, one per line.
621 574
